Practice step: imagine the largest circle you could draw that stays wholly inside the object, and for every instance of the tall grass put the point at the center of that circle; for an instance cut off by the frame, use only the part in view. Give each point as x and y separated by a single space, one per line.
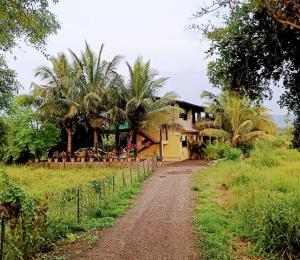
261 203
62 202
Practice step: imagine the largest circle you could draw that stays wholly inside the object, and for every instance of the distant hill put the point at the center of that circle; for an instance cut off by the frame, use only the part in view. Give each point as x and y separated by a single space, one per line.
279 120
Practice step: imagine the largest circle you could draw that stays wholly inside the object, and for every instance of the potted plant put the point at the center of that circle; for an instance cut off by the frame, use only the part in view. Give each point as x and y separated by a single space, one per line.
82 156
64 156
72 159
55 156
90 154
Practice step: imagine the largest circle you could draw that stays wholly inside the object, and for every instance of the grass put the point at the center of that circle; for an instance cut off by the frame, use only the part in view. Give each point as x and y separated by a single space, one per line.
54 198
251 208
38 181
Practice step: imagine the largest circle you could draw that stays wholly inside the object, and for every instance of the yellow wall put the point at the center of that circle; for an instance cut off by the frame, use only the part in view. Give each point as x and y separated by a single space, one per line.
153 150
172 149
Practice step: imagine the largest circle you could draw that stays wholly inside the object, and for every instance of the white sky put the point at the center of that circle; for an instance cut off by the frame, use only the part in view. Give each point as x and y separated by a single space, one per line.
153 29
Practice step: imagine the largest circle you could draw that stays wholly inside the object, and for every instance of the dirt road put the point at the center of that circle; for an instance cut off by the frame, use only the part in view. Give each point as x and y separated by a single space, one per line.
159 226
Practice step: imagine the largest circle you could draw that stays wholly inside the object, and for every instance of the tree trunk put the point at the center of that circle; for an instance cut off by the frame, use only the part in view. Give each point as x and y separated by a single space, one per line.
117 135
96 140
132 139
69 145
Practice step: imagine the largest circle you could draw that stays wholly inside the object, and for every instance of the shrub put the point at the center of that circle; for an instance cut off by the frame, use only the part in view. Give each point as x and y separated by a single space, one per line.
218 150
234 154
197 150
25 218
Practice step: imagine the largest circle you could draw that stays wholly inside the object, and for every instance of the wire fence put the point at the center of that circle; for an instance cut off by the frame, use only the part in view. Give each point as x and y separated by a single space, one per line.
77 205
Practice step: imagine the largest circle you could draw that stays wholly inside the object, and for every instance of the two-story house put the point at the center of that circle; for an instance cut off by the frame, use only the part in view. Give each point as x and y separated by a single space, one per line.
171 141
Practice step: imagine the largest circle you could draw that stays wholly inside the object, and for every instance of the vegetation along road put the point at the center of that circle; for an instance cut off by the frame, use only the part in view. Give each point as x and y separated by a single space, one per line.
159 226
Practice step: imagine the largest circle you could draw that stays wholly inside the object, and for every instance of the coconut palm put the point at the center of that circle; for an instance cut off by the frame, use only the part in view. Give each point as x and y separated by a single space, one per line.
95 77
144 110
59 95
236 118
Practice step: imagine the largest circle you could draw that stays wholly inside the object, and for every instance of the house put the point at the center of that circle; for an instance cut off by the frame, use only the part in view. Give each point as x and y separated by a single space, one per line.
171 142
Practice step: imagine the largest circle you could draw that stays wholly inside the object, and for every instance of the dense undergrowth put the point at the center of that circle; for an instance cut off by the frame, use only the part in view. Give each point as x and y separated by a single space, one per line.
251 207
44 206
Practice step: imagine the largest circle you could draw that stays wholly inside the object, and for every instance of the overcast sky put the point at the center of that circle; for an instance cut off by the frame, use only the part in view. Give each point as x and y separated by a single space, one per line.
153 29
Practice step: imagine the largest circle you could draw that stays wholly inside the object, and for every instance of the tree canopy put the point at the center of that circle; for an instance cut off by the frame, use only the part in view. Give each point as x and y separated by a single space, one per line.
22 20
256 47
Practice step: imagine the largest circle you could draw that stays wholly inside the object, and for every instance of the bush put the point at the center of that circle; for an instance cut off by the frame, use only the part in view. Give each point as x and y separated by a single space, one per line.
234 154
220 150
197 150
25 221
217 150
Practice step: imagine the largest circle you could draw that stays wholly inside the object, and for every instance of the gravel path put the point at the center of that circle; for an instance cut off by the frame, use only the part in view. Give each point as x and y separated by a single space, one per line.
159 226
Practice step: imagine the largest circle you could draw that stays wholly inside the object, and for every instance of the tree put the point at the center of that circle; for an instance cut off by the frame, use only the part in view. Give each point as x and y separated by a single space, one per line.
95 77
235 118
28 20
257 46
144 110
60 95
28 135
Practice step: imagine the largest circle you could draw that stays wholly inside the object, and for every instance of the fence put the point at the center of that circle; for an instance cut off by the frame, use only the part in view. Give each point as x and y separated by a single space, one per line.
75 207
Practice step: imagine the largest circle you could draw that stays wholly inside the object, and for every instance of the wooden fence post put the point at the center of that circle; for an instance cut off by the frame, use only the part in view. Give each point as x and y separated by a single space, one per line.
144 168
113 183
124 181
2 238
78 205
130 169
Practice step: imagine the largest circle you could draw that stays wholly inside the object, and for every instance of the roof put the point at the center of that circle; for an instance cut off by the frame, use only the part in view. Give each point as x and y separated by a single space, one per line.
186 125
187 104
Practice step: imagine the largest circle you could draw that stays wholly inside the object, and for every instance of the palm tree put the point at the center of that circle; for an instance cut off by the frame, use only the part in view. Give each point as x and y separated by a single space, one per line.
236 118
95 77
59 96
144 110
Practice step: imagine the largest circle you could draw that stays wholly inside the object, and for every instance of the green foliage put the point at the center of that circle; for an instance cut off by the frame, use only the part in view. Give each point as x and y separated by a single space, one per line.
260 205
252 47
27 20
28 135
55 219
197 149
220 150
234 154
236 118
25 221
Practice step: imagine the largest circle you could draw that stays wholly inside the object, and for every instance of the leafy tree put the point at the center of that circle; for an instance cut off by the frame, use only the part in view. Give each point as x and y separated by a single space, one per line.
28 135
257 46
95 77
144 110
3 135
60 95
236 118
28 20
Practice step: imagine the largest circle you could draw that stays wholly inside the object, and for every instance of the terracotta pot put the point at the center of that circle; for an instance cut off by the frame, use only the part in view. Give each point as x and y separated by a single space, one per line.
72 160
56 160
36 160
49 159
91 159
104 159
82 159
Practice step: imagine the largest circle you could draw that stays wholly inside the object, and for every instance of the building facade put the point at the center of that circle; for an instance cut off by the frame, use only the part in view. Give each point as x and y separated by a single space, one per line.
170 143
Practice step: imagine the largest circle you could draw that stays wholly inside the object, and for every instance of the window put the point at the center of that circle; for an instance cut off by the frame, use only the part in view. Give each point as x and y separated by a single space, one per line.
184 140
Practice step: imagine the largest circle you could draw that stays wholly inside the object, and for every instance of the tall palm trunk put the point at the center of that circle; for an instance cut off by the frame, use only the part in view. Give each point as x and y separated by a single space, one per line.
96 139
69 145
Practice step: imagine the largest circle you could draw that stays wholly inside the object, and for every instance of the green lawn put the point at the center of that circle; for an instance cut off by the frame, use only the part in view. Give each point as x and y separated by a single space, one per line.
58 203
38 181
250 207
